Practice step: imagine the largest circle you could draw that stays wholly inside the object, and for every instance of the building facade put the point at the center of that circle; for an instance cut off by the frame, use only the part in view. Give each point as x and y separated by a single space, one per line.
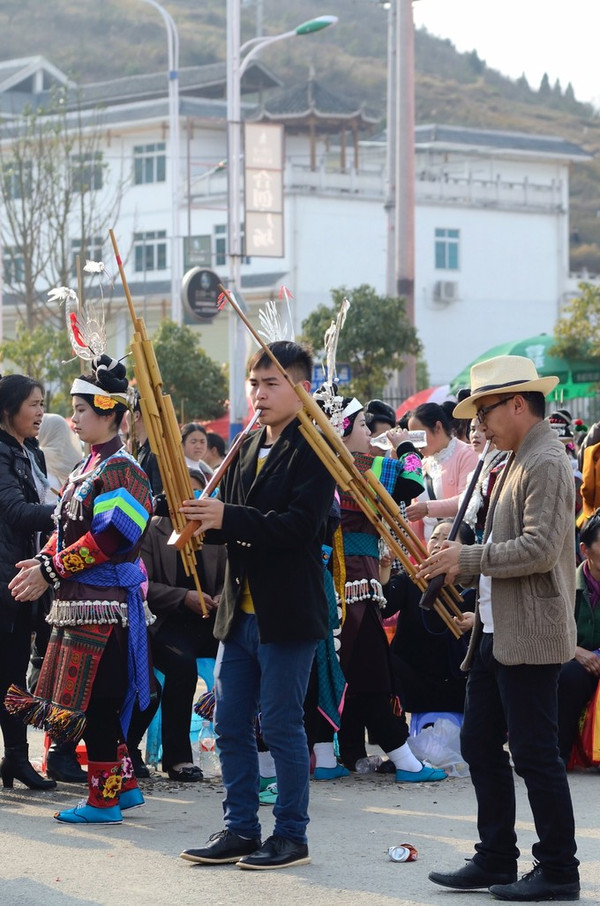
491 222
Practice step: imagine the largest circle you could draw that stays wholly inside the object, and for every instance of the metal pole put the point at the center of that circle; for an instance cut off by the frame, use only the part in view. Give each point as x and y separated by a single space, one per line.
391 131
238 406
405 175
174 139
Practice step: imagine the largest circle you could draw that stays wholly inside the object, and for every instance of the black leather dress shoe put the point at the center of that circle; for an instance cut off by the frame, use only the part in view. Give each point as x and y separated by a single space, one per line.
534 887
191 774
277 852
221 848
471 877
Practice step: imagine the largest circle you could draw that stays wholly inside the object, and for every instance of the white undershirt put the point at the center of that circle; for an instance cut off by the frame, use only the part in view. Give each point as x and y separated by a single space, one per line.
485 599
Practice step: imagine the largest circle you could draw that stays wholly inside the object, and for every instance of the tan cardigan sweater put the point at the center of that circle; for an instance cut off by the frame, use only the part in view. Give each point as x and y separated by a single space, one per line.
532 556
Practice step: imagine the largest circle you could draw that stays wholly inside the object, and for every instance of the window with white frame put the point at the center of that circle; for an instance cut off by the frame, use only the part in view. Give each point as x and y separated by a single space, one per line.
150 251
149 163
92 250
13 266
16 179
87 171
447 244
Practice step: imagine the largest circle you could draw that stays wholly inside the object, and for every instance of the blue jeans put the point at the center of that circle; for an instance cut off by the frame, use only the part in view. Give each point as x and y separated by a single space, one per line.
271 678
523 701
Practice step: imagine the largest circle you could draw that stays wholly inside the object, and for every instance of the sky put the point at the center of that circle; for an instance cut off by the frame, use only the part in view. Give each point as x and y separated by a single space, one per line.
530 36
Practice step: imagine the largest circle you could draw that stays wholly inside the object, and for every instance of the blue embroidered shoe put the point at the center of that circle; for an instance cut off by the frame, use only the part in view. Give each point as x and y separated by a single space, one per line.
131 799
425 774
331 773
90 814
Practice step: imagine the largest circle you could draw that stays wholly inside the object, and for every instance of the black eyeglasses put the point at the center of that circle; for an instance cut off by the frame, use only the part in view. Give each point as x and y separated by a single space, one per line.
483 413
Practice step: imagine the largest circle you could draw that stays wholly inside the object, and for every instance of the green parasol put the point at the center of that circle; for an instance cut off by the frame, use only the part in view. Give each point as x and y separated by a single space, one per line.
578 378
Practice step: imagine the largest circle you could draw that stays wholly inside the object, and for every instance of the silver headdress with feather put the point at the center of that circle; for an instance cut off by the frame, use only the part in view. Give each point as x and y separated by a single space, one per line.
327 395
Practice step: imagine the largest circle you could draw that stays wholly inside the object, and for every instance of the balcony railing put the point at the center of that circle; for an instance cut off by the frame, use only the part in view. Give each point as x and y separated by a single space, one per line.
370 182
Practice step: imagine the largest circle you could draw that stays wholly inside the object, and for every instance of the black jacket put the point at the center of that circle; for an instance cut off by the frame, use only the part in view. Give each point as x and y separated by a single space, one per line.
21 516
274 525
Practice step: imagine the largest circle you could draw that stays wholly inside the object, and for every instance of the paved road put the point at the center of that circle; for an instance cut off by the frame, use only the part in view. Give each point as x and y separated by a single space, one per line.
353 822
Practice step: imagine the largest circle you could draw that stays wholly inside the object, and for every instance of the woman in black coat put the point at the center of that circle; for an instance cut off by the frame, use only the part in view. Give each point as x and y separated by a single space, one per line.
22 518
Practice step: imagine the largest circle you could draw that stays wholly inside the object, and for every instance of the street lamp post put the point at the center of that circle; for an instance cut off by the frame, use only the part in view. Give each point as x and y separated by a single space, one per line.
400 200
174 136
237 65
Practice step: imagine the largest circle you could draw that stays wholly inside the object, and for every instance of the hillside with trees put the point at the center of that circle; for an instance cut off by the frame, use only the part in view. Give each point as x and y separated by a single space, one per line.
101 41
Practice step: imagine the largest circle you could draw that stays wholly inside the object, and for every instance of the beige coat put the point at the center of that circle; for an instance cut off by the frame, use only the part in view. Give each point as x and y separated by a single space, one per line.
531 558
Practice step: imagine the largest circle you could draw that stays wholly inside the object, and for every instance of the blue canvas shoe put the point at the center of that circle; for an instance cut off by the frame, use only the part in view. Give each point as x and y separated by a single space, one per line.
83 813
425 774
331 773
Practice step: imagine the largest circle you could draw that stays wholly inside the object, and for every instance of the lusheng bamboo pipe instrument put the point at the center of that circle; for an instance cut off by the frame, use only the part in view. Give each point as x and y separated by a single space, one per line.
180 539
163 431
435 584
375 502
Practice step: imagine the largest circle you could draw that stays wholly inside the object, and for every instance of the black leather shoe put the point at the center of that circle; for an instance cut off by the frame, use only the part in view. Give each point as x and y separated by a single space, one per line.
193 774
471 877
534 887
222 847
276 852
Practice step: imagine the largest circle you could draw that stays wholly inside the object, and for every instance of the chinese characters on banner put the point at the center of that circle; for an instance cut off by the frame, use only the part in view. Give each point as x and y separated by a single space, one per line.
263 190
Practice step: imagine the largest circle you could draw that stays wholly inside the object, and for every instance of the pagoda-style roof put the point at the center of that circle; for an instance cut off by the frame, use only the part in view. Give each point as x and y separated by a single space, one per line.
311 103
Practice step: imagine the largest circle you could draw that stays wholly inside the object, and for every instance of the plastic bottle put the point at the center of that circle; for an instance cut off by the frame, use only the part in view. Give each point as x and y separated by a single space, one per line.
417 438
369 764
209 760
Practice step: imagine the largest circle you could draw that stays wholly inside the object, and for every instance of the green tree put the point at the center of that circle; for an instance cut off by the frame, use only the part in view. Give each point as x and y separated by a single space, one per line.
577 331
544 90
44 353
375 341
196 384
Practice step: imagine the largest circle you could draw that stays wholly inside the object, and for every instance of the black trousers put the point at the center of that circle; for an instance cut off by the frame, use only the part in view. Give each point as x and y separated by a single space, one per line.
373 711
575 688
175 648
14 658
522 701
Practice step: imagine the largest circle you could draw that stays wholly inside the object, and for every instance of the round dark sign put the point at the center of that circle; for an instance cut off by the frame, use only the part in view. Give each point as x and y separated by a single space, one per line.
200 291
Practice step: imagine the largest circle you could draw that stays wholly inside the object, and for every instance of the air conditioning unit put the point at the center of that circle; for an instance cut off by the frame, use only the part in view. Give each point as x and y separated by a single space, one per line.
445 291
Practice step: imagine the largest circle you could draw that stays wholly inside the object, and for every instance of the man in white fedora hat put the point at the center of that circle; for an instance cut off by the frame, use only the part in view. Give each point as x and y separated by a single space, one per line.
524 630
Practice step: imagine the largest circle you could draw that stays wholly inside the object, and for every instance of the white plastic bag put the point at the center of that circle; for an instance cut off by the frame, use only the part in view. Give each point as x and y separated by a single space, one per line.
439 745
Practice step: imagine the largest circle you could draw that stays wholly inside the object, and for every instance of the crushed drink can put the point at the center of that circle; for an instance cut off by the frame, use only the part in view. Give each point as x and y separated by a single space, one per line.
406 852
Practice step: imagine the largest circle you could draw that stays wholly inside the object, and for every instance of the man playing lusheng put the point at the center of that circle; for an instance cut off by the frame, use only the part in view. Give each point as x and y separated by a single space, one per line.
524 629
272 513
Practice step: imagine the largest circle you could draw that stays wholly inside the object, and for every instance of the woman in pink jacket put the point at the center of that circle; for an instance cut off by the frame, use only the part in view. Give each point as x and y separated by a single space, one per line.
446 464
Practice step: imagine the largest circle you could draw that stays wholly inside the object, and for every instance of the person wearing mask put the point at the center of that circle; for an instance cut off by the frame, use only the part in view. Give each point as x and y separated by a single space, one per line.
480 499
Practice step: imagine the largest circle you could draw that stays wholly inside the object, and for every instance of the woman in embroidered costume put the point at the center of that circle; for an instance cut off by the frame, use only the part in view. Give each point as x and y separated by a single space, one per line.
97 658
364 653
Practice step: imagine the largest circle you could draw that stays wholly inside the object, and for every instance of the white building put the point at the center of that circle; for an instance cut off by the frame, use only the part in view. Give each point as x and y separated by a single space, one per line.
492 208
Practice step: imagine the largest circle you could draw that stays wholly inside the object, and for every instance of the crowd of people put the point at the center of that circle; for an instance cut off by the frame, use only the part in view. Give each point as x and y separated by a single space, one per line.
297 592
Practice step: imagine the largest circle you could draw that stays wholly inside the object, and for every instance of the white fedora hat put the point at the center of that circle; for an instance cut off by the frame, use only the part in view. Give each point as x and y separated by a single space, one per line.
503 374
